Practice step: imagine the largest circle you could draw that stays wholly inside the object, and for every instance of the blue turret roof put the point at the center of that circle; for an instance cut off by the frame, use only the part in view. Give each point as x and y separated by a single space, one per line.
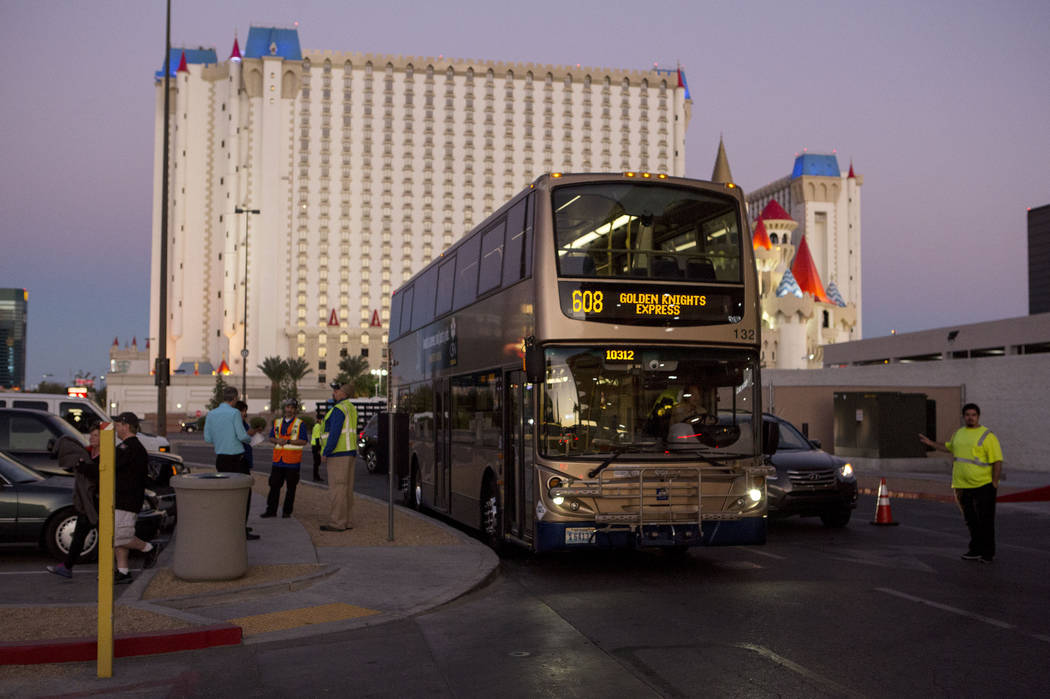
788 285
192 56
285 43
835 295
812 164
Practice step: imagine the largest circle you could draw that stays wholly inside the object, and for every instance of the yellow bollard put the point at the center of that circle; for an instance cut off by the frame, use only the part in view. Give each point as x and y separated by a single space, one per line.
106 496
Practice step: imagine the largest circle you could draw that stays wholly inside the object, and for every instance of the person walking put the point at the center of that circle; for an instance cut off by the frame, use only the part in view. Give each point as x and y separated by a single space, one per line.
83 463
340 450
289 437
976 471
131 471
224 430
315 448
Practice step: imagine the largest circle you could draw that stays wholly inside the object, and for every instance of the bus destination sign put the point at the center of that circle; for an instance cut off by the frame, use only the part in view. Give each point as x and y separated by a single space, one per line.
651 304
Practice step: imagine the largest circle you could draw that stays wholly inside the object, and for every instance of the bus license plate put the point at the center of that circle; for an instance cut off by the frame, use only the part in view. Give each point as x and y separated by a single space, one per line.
578 535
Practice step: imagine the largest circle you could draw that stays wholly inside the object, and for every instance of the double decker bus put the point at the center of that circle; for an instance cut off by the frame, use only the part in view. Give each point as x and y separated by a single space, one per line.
582 369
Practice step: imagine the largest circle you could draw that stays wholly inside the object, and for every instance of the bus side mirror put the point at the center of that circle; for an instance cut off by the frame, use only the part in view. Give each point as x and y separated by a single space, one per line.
535 371
770 437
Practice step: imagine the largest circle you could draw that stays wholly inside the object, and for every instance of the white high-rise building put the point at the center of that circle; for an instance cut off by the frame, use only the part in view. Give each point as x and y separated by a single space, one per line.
362 168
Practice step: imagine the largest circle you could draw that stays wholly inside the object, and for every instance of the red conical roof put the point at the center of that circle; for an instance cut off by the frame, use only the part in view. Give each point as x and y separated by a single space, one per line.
183 68
774 212
761 238
224 368
115 342
805 273
851 175
235 55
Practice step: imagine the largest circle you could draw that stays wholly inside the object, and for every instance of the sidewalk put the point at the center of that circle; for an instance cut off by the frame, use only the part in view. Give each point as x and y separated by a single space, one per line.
300 582
927 485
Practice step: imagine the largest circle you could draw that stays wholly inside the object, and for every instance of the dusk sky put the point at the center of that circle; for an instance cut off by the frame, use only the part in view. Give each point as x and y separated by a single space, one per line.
943 107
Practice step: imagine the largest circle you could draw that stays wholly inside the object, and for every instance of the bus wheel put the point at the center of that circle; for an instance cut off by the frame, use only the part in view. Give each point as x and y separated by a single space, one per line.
491 515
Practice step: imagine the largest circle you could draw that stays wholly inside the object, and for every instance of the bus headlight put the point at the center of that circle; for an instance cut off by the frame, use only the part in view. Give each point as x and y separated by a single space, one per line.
558 500
754 494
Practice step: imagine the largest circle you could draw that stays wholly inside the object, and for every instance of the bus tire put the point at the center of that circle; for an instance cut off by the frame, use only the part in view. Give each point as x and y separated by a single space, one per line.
491 514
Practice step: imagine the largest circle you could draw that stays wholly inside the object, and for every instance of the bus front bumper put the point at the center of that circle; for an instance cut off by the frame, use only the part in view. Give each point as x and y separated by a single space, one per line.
552 536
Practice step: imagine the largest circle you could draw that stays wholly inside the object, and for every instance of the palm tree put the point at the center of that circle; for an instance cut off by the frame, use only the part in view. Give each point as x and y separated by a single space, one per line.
354 370
295 371
276 370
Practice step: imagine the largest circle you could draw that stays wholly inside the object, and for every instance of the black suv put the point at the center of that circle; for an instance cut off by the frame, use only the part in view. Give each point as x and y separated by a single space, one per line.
809 481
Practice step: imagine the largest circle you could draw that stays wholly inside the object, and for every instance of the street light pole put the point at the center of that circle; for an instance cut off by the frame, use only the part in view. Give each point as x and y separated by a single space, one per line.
244 348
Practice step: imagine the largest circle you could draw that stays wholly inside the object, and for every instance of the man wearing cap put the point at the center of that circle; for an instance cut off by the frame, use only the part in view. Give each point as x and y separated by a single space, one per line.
132 468
224 429
340 450
288 436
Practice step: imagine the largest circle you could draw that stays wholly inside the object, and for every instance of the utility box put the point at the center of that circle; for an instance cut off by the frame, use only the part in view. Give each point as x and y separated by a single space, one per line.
883 425
399 442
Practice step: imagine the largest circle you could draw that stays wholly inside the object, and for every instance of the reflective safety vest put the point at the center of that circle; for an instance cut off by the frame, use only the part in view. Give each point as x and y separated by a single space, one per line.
980 442
317 434
348 432
287 453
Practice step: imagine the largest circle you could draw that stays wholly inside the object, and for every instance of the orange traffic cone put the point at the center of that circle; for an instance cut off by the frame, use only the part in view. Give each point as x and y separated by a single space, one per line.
883 515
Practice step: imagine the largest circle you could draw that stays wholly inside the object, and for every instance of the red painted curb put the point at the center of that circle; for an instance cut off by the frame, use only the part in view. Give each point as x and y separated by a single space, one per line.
902 495
66 650
1033 495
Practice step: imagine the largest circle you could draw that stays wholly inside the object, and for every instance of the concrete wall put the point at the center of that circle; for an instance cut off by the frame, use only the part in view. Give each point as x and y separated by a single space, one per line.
1010 390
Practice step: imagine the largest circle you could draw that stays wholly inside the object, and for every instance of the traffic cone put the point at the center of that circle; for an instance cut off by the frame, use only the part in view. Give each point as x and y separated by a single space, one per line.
883 515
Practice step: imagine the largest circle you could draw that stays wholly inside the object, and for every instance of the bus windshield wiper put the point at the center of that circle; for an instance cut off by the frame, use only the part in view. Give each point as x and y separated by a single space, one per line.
617 452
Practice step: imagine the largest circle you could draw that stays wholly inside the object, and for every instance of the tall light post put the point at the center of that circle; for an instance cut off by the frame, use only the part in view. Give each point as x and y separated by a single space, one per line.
378 374
244 348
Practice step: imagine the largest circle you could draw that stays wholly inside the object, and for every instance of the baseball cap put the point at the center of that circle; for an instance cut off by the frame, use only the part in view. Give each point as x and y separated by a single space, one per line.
128 418
334 385
289 401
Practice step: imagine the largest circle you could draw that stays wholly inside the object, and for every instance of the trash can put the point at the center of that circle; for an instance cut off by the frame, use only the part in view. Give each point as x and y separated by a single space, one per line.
209 534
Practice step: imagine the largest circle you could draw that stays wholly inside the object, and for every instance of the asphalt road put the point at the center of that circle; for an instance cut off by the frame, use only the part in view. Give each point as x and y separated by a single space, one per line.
862 611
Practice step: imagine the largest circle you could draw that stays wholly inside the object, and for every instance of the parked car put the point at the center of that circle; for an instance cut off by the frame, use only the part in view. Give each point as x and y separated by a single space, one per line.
30 436
190 425
37 509
368 445
809 481
79 412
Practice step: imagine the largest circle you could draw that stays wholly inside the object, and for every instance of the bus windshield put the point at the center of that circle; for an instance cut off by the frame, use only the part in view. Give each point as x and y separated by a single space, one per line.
650 231
659 401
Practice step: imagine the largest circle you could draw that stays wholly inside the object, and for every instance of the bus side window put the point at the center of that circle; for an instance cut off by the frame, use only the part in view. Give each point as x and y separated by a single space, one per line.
491 264
530 220
406 309
466 273
395 316
423 308
446 275
512 258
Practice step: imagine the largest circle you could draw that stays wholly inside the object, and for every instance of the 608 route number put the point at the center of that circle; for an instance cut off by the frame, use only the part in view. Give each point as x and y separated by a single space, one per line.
587 301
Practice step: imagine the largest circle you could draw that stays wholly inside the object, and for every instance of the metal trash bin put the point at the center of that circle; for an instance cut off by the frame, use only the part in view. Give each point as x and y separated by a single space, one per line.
209 534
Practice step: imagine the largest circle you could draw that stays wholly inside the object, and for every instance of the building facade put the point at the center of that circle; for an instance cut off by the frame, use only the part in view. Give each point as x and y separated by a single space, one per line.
807 248
362 168
1039 259
14 312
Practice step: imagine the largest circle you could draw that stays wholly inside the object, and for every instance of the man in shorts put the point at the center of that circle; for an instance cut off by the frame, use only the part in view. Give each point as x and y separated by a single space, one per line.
132 468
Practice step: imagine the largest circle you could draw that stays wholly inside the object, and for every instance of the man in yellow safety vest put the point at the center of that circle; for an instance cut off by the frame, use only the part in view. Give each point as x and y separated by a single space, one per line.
976 472
340 450
289 437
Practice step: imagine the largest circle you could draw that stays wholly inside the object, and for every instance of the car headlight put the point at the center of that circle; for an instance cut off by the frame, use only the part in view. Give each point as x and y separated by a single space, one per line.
846 470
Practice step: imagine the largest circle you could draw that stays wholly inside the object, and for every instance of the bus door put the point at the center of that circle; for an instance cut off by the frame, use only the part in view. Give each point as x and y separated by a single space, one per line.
517 453
442 445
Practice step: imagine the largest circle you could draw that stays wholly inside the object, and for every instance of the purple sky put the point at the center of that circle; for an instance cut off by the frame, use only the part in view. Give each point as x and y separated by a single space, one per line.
944 107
